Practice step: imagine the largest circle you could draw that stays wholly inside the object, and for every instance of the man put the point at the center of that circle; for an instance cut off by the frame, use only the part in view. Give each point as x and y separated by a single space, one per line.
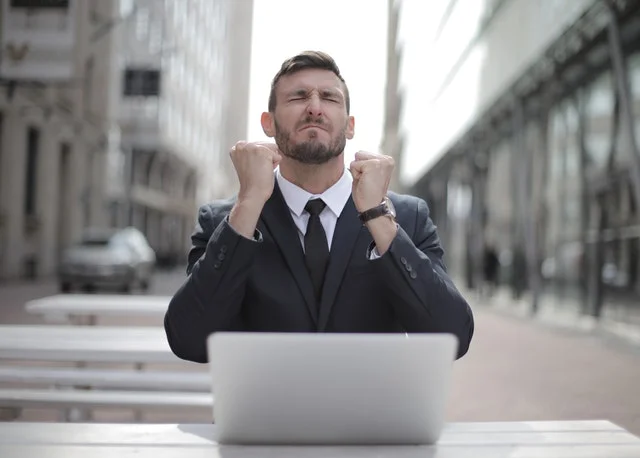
261 261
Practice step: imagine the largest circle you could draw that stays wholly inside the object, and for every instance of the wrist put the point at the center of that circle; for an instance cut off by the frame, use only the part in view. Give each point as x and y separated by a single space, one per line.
244 216
250 203
383 223
383 231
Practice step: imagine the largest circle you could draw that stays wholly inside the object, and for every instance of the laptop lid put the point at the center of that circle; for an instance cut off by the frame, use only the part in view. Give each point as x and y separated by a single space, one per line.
296 388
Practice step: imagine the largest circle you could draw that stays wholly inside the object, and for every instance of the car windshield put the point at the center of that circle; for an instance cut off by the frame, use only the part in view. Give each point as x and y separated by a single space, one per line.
95 242
103 240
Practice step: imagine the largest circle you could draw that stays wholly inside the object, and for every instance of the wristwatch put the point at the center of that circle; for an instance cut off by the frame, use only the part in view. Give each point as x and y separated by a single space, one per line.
385 208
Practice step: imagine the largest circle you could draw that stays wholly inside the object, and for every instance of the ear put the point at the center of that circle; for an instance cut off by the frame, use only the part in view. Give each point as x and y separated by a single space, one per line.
268 124
351 124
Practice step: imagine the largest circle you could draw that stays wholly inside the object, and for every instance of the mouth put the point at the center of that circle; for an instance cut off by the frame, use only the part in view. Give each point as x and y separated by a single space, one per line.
312 126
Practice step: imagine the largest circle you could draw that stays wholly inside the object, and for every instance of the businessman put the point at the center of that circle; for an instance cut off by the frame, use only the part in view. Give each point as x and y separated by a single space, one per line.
308 245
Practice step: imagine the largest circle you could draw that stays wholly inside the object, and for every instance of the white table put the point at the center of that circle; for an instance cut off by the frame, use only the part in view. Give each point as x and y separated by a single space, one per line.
84 308
88 344
575 439
80 343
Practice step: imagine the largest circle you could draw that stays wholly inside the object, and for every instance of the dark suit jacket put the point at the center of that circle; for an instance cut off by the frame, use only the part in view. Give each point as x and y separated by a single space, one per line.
238 284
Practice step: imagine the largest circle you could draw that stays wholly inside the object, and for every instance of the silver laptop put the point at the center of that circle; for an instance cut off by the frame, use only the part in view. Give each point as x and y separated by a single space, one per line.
295 388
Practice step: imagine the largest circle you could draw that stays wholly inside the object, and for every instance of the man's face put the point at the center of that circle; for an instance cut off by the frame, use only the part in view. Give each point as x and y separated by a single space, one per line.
310 122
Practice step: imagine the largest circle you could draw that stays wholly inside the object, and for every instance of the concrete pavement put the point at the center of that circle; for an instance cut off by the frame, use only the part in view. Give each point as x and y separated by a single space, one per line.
516 369
524 369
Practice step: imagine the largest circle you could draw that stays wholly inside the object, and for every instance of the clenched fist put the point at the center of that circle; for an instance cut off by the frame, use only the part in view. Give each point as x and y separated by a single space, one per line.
371 176
254 163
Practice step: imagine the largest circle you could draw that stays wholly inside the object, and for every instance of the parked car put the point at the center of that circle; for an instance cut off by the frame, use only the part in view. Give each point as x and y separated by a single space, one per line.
108 258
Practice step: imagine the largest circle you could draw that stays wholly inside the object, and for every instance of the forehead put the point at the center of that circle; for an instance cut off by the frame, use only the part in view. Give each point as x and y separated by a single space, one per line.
310 78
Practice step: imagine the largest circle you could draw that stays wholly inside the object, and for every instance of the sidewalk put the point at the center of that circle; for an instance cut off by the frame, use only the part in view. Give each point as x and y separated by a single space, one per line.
563 316
520 368
14 295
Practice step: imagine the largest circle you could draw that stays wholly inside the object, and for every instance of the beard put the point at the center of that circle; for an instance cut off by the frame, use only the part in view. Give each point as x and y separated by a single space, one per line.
311 151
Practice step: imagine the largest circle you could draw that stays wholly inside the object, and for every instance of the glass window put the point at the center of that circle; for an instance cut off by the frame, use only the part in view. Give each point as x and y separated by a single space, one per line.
155 39
141 82
126 7
500 204
563 198
142 23
633 64
598 99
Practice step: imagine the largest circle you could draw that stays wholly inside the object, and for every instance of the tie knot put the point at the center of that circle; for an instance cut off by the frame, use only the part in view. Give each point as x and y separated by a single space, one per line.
315 206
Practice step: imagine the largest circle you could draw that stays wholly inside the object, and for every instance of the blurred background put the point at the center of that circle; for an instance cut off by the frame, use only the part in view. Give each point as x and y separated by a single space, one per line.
518 121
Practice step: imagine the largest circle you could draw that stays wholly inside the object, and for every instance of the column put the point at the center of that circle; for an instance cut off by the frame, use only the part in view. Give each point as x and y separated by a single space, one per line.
66 167
139 217
155 173
153 229
48 195
98 204
77 190
13 171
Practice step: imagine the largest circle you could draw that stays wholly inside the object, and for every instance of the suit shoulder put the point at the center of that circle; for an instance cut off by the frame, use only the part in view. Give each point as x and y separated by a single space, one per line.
407 202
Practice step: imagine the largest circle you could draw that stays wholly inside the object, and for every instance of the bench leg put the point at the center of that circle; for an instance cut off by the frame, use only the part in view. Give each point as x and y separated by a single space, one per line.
9 413
76 415
137 414
81 320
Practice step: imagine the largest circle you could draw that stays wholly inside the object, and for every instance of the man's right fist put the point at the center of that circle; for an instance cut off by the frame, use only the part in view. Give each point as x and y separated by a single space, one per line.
254 163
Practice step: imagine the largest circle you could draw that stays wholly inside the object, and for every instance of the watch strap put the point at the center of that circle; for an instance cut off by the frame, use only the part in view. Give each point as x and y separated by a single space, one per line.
375 212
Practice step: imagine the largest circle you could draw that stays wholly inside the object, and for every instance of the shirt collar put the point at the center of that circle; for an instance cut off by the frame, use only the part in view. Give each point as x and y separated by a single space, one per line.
335 197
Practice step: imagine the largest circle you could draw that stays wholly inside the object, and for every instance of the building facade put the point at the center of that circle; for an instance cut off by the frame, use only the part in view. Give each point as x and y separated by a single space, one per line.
520 124
133 131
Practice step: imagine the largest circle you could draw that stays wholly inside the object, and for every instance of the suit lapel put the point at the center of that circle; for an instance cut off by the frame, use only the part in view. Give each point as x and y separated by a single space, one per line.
348 227
277 218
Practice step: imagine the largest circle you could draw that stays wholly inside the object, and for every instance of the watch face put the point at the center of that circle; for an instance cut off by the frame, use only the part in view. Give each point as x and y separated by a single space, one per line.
392 209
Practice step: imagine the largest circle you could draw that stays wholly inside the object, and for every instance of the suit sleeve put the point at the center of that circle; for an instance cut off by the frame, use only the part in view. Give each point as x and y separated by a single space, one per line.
422 293
210 299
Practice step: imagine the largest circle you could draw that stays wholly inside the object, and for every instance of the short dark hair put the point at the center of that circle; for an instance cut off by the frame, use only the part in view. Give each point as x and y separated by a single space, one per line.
302 61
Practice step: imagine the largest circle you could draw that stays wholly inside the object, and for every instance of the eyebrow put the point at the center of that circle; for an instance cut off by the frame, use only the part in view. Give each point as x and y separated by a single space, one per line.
324 92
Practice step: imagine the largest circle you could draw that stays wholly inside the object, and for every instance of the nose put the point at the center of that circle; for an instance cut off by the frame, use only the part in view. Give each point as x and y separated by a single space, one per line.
315 107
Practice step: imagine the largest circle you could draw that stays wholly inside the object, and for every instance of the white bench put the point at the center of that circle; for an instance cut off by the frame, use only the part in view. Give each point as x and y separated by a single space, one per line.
93 399
103 344
85 308
107 378
95 344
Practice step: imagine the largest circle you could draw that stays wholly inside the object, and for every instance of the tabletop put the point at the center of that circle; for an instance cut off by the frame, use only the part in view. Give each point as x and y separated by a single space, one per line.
575 439
61 306
78 343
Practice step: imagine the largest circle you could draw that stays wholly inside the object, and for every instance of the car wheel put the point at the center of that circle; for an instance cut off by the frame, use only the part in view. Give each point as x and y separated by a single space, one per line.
65 287
126 288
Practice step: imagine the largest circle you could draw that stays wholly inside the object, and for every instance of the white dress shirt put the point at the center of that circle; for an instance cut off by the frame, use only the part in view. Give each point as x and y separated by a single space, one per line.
335 197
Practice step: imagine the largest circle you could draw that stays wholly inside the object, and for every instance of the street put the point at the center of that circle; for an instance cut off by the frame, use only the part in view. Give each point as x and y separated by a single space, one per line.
516 369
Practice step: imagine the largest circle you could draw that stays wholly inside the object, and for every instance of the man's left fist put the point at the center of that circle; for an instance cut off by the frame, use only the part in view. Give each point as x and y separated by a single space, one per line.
371 176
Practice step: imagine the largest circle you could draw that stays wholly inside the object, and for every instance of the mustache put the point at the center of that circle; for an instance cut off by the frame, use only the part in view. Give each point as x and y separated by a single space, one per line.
309 121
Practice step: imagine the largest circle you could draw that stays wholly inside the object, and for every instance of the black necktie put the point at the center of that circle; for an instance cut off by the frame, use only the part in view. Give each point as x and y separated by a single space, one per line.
316 247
